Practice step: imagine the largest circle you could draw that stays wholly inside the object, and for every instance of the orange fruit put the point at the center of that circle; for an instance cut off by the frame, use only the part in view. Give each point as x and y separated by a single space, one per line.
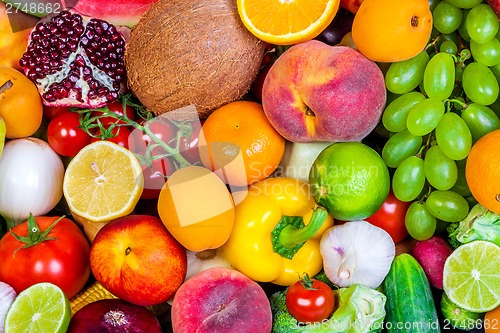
239 144
287 22
196 208
392 30
482 171
491 321
20 104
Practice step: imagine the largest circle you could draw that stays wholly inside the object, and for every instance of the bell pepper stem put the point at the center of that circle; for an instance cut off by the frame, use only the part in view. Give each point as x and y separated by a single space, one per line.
291 236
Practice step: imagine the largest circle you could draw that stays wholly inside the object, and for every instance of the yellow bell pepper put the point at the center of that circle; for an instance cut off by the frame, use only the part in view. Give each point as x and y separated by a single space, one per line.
276 232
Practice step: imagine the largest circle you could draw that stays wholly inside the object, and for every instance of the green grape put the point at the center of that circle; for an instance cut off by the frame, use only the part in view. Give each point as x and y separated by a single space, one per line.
482 23
409 179
419 223
448 206
453 136
462 29
396 112
399 147
464 3
480 119
480 84
404 76
486 53
449 46
461 186
424 116
446 17
440 170
495 69
439 76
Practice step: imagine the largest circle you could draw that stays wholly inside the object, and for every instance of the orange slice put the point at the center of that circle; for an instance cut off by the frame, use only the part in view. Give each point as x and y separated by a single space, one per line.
286 22
103 182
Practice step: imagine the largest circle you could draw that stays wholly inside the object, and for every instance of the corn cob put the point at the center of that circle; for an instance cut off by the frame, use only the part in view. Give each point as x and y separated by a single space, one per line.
94 292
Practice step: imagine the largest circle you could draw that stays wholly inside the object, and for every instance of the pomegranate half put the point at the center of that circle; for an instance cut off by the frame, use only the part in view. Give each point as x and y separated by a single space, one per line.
75 60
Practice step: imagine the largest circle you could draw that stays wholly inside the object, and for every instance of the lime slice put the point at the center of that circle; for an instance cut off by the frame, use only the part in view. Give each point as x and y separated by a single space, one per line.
471 276
41 308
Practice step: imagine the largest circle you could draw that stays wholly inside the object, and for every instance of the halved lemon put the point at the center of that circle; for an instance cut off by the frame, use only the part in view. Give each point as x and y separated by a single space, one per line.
103 182
286 22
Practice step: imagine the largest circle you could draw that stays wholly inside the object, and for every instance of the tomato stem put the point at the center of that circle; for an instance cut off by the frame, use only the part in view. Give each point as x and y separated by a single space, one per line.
35 235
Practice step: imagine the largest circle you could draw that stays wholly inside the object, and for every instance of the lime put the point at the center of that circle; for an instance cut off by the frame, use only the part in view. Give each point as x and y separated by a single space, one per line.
350 180
41 308
471 276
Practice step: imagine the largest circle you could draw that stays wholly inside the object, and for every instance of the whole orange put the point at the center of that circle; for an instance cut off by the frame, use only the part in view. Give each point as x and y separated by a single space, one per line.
239 144
491 321
20 104
482 171
392 30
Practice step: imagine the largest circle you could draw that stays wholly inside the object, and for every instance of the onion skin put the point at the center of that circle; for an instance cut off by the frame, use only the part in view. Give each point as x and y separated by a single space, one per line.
114 315
7 296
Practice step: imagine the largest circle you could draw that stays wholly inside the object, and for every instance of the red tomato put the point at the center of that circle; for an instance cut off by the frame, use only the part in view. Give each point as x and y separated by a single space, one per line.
168 132
120 136
310 300
391 217
65 136
117 108
189 146
161 128
62 258
155 177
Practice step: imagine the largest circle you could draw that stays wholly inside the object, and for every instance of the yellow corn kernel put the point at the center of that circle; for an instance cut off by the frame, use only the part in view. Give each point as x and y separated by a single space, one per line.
94 292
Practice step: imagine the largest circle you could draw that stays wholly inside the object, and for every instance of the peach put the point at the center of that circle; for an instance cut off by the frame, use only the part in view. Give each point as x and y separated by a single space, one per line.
15 27
221 300
318 92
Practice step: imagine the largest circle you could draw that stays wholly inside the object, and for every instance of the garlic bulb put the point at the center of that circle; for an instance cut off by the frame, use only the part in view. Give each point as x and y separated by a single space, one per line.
357 253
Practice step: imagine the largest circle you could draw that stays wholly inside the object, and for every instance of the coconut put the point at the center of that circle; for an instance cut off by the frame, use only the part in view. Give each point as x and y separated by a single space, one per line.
195 52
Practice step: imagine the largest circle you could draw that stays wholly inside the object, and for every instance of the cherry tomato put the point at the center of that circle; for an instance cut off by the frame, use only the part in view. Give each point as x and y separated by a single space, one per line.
161 128
391 217
62 259
65 136
189 146
118 108
167 132
155 177
119 135
310 300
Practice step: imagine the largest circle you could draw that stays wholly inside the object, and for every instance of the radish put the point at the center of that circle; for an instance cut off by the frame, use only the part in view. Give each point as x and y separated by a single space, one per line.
431 255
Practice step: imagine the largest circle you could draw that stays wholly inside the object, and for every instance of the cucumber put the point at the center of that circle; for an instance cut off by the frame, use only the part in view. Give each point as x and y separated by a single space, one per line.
410 306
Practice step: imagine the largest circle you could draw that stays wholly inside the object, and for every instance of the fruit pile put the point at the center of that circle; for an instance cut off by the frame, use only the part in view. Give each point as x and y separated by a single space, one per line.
250 166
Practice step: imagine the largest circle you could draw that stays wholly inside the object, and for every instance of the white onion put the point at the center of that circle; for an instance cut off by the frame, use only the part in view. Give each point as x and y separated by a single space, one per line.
200 261
299 157
7 296
31 178
357 253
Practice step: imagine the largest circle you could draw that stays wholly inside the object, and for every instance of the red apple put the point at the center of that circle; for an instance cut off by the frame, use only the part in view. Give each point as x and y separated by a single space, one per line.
138 260
221 300
317 92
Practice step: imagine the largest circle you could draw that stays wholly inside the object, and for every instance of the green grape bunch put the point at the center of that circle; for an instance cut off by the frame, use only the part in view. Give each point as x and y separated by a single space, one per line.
441 102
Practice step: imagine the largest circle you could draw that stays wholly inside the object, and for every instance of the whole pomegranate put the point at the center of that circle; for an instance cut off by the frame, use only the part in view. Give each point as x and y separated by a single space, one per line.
75 60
